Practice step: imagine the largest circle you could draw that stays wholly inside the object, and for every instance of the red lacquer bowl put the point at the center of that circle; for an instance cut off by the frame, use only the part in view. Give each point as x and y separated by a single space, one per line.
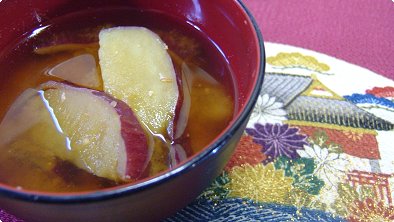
231 27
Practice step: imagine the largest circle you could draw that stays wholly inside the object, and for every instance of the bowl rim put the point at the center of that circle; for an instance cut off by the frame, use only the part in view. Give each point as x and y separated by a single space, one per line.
212 149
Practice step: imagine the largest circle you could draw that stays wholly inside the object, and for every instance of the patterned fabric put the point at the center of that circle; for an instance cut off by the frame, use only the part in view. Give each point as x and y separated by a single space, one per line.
285 87
317 147
334 112
235 210
359 32
5 217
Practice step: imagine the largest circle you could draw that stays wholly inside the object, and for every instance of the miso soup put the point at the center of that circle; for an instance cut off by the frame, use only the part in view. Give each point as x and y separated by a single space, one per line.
56 107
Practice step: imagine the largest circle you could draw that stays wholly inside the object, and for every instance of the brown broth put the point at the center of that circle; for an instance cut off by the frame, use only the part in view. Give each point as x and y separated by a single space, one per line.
24 165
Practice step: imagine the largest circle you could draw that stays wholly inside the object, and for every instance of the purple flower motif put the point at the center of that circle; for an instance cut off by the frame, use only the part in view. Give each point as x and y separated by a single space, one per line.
278 140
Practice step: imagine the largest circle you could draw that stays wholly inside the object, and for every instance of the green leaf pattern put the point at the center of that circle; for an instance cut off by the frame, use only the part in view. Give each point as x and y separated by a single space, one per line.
301 170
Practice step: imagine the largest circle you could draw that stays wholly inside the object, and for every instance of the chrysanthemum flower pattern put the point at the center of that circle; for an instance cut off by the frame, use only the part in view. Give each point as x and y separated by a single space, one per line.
278 140
259 183
329 166
267 110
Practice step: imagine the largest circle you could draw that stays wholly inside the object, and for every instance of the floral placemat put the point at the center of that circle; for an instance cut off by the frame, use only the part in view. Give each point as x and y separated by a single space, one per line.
318 147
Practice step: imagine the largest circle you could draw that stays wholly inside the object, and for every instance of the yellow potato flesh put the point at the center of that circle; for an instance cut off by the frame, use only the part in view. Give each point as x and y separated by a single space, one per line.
137 69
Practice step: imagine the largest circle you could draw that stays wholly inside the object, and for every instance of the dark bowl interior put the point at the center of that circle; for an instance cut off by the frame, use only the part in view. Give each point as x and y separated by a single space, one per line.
230 26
